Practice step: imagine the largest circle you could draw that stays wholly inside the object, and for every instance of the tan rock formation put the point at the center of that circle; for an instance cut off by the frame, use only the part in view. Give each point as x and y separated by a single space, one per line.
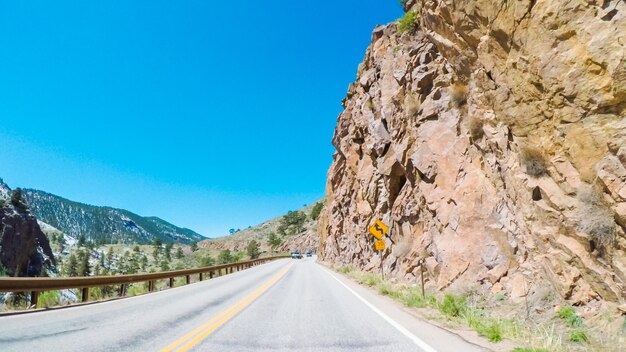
493 142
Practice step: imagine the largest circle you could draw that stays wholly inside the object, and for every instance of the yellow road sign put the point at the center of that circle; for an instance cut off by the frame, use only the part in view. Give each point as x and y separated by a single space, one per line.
379 245
379 229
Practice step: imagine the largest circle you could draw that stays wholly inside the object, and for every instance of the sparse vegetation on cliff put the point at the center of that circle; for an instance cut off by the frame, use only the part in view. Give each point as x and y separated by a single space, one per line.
317 209
409 22
595 217
458 93
476 129
534 161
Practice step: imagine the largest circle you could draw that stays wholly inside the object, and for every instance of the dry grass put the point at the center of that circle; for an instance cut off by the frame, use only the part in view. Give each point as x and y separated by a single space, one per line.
534 160
411 105
562 332
476 129
459 93
595 217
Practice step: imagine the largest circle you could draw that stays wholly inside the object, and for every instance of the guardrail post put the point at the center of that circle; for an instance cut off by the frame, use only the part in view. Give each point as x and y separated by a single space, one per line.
34 296
122 290
150 286
188 279
171 282
200 276
211 274
85 295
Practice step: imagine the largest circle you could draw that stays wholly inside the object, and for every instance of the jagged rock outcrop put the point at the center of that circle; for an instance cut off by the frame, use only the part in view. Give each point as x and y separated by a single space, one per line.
493 141
24 248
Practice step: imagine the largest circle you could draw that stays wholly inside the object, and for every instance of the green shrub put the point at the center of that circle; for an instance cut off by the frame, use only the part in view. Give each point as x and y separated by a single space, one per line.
414 298
207 260
569 315
453 306
136 289
577 336
3 271
370 279
345 269
492 331
253 249
317 209
408 22
388 290
48 299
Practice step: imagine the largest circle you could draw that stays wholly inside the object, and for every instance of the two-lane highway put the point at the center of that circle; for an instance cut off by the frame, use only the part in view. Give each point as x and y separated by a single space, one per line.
287 305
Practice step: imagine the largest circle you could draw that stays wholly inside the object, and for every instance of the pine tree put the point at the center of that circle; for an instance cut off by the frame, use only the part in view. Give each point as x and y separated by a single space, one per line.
143 262
208 261
72 266
81 241
194 246
179 253
61 243
84 269
133 266
168 251
274 241
109 258
17 200
253 249
317 209
225 257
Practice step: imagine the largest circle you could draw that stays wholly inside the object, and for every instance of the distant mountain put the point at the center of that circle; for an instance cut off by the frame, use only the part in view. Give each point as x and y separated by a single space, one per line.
305 238
4 190
103 224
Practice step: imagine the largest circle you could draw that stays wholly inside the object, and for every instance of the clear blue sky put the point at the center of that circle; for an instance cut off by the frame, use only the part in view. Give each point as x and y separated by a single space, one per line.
209 114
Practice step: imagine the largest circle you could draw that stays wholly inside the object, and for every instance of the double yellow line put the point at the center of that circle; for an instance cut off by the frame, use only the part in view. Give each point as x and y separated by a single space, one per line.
194 337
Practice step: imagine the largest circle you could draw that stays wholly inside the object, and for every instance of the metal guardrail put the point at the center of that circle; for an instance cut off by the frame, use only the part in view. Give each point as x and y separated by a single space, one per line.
36 285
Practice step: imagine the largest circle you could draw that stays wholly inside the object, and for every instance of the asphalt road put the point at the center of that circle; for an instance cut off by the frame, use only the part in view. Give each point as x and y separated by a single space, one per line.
287 305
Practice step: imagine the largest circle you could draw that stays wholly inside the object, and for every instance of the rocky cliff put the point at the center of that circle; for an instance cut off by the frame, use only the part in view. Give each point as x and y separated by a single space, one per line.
24 248
491 137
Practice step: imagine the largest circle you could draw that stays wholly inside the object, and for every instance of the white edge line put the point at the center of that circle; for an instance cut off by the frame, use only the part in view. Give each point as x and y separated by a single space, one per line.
423 345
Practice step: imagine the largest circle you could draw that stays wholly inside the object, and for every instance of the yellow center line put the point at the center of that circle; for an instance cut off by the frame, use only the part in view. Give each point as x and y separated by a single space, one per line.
198 334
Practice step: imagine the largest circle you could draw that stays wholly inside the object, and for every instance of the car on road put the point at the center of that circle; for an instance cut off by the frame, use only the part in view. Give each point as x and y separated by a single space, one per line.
296 255
309 253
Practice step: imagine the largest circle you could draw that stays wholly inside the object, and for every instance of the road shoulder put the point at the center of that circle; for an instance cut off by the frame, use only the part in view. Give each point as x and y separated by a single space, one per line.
440 338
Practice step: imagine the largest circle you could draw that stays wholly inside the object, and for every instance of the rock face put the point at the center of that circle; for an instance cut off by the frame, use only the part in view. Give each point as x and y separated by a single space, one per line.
24 249
492 140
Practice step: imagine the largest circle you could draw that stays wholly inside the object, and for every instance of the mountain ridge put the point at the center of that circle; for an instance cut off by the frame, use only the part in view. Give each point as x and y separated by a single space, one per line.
103 223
